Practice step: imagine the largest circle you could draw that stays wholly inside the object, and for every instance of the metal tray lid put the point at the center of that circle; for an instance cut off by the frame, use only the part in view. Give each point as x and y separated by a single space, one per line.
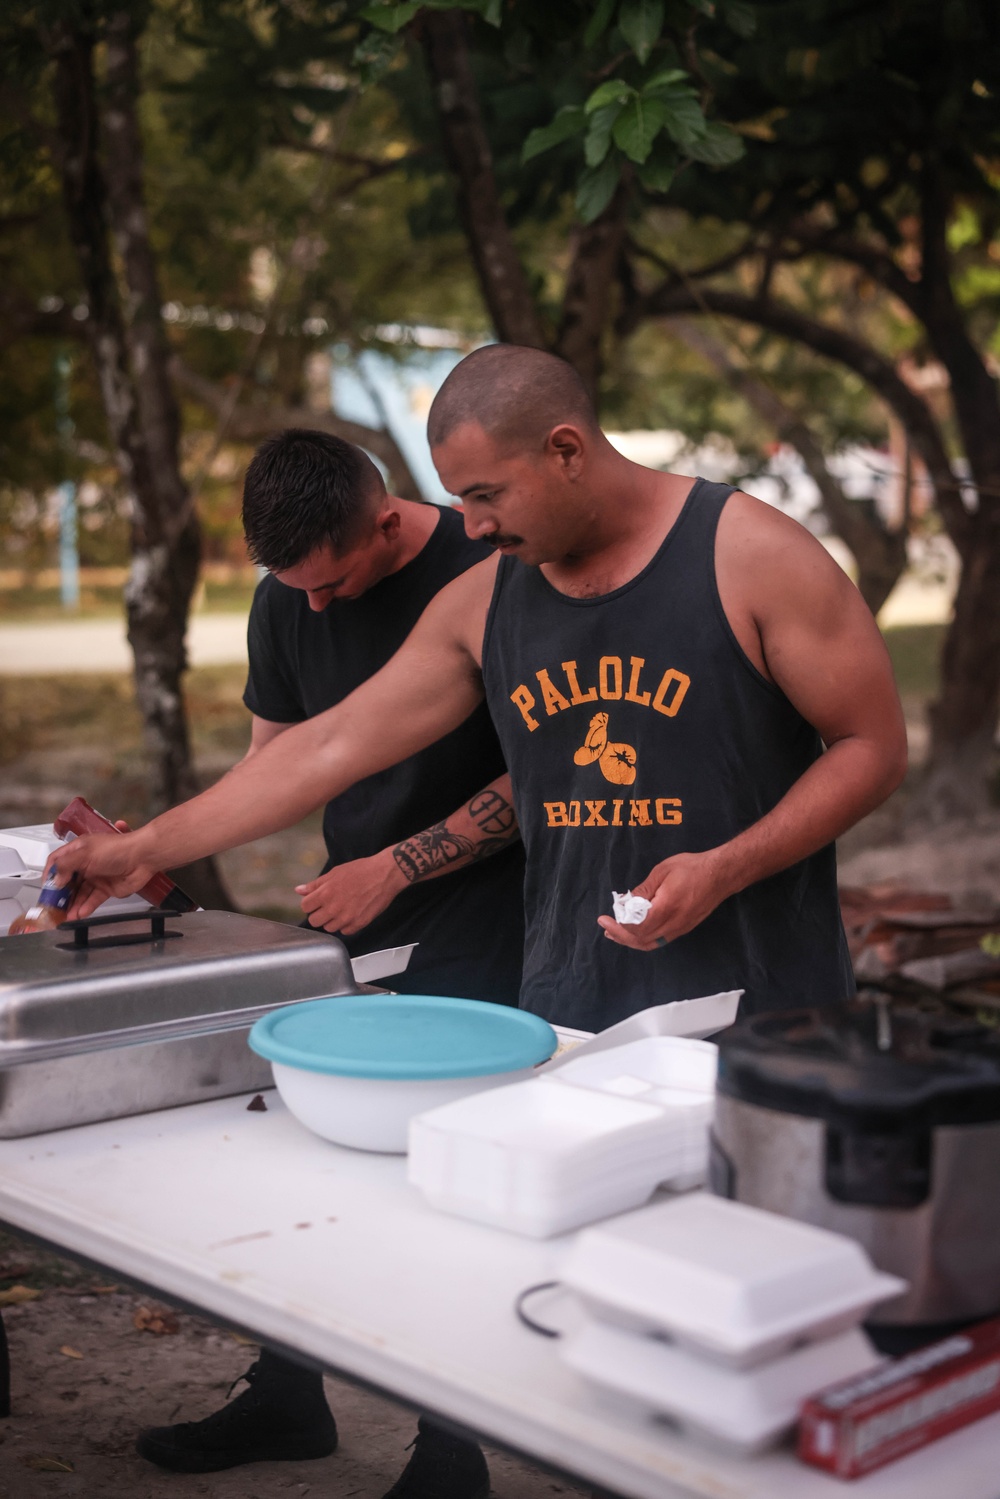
207 963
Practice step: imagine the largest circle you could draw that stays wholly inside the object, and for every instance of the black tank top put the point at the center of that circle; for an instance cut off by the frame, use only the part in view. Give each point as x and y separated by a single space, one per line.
635 727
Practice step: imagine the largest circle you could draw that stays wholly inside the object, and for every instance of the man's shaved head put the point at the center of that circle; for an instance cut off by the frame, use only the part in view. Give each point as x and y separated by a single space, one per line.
516 395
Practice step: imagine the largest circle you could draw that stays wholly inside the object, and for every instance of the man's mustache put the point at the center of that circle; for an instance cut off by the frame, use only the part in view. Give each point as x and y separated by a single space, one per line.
499 539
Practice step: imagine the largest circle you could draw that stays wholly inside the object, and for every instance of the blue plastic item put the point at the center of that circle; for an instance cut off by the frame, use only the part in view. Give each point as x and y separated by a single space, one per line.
412 1036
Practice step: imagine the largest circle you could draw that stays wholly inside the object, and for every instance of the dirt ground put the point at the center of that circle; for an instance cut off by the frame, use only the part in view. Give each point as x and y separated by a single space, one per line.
85 1380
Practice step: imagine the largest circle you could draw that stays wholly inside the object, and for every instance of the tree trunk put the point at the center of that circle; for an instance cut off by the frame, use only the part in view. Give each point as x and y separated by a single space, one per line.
142 416
830 343
880 554
964 718
501 275
590 285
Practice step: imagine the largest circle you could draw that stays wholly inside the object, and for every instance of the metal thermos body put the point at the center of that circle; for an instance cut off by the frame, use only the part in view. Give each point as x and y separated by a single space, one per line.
896 1146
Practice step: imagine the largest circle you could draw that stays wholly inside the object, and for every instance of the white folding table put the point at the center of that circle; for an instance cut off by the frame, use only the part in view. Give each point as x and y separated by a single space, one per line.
328 1253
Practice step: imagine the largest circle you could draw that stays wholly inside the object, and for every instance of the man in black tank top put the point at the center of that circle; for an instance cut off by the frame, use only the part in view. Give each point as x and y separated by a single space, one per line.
692 698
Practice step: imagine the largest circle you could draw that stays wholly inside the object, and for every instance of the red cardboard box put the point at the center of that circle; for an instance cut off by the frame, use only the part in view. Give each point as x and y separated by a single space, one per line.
905 1403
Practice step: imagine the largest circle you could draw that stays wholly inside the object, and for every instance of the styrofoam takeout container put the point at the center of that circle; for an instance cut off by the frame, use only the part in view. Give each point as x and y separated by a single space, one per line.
731 1282
640 1069
355 1068
538 1157
33 844
745 1410
596 1137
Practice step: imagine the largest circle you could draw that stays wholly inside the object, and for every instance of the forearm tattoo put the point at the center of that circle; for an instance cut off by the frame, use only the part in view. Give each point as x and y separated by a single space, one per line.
437 848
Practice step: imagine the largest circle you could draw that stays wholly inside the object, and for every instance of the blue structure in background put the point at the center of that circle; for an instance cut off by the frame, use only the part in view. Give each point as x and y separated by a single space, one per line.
69 553
69 557
380 391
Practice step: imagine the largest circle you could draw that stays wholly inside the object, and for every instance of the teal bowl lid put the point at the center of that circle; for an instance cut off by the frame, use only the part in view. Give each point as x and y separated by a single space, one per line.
403 1036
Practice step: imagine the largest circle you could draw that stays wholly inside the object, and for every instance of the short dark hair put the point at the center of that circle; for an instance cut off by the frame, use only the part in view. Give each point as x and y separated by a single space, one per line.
516 394
304 489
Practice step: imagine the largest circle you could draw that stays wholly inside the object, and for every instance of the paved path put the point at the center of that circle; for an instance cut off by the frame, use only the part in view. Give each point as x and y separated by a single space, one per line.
218 639
100 645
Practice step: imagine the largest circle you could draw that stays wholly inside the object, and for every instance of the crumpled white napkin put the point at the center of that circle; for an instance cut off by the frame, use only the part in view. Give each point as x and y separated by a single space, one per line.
630 909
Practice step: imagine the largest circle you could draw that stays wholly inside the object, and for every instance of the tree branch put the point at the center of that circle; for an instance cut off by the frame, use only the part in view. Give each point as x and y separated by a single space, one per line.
675 276
880 554
879 263
502 278
21 318
252 423
973 389
368 167
831 343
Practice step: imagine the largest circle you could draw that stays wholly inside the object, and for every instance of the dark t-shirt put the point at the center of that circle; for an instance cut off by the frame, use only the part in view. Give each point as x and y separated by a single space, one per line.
469 924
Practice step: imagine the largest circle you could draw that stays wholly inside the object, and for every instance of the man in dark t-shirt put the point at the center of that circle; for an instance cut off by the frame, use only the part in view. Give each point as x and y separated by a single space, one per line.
423 851
304 659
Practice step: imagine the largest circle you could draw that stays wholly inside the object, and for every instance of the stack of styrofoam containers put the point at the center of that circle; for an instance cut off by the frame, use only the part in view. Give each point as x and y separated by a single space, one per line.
596 1136
24 852
721 1317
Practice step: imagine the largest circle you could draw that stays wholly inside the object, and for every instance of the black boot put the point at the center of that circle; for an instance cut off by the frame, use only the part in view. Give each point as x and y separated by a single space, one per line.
282 1417
442 1467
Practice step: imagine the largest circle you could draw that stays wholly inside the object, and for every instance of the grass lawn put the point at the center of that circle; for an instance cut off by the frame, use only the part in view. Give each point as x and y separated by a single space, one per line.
916 656
38 605
38 713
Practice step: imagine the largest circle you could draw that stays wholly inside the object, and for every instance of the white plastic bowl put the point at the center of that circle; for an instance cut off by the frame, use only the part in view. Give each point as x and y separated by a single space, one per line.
373 1113
356 1068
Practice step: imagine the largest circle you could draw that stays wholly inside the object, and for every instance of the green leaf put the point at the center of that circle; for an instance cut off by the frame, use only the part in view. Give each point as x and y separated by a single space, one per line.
657 176
597 188
684 120
375 54
718 147
615 91
598 141
740 15
599 22
390 18
666 80
490 10
637 127
640 23
569 121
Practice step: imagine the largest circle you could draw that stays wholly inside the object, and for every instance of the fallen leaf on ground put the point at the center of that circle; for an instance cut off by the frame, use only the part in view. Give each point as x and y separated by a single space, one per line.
38 1463
257 1105
155 1320
17 1295
68 1352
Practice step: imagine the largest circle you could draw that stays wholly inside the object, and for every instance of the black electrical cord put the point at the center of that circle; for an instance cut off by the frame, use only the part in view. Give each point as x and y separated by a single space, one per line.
529 1322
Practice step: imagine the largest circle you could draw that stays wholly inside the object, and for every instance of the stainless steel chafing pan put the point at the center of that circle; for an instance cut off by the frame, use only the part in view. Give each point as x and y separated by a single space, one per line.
103 1018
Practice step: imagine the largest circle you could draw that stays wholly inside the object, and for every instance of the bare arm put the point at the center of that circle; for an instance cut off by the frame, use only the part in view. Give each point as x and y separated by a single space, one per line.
806 626
262 732
429 687
348 897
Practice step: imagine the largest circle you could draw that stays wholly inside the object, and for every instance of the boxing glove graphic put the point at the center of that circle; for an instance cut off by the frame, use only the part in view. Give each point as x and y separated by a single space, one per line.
617 762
